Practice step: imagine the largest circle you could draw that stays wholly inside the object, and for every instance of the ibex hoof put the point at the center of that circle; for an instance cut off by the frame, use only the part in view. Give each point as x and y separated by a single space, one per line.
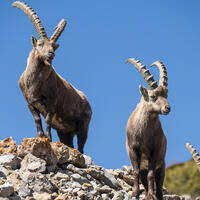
151 197
40 134
135 195
48 135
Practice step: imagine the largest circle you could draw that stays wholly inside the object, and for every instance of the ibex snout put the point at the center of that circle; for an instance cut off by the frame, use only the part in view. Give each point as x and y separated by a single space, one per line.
50 54
165 109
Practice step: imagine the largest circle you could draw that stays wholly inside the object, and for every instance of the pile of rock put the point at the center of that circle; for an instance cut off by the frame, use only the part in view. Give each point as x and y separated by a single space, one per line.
37 169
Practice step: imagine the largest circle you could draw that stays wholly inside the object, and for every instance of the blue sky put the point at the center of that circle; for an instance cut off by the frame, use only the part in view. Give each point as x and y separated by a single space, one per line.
98 38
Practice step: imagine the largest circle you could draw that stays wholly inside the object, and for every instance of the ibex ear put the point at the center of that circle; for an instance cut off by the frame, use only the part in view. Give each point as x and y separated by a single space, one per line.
144 93
56 46
33 41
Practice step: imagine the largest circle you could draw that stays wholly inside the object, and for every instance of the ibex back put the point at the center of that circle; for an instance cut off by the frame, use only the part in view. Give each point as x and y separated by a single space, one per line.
64 107
146 142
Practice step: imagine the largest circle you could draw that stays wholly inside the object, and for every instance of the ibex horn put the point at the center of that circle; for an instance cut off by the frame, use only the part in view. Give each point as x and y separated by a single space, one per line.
58 30
145 73
32 16
194 153
163 73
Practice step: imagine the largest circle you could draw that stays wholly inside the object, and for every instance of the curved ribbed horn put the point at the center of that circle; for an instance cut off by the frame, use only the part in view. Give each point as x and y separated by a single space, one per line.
194 153
58 30
145 73
32 16
163 73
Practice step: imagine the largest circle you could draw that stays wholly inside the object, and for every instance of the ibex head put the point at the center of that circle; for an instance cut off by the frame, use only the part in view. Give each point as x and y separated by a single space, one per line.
156 96
44 46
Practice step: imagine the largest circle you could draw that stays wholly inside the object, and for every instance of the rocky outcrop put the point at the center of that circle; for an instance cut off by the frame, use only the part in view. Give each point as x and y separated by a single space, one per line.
39 169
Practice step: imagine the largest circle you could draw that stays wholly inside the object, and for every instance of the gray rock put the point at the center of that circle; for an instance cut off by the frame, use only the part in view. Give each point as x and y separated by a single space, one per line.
24 192
81 194
78 178
9 161
42 196
60 176
88 160
75 190
111 181
33 164
6 190
5 171
105 197
76 185
118 196
104 189
95 173
171 197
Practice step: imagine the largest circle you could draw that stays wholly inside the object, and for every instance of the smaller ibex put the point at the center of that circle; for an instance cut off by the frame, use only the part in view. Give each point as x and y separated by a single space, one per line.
64 108
146 142
194 154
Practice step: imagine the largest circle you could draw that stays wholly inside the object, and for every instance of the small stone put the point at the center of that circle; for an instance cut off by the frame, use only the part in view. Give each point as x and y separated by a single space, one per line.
88 160
62 197
118 196
8 146
60 176
43 196
105 196
128 169
171 197
5 171
97 174
33 164
9 161
87 185
104 189
76 158
6 190
128 179
111 181
78 178
61 151
81 194
75 190
39 147
76 185
24 192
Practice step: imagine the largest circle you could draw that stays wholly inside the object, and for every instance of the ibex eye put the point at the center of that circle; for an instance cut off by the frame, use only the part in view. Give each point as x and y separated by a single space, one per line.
153 98
40 44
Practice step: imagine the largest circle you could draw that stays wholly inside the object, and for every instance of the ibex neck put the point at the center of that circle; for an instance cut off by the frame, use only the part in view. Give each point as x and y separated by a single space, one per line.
33 60
144 111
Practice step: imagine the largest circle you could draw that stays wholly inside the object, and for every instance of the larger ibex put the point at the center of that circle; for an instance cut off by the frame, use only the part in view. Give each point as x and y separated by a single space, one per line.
146 142
64 108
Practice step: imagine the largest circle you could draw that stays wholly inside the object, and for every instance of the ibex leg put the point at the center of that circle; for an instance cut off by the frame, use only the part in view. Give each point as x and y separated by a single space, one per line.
159 179
48 120
66 138
37 118
150 179
82 132
143 177
135 158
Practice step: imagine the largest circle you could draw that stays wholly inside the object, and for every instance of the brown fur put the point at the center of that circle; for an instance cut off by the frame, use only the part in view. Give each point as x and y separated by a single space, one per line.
64 108
146 142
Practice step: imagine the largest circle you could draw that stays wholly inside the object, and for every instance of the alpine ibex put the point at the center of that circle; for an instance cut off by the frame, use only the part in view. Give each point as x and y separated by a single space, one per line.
194 154
146 142
64 108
